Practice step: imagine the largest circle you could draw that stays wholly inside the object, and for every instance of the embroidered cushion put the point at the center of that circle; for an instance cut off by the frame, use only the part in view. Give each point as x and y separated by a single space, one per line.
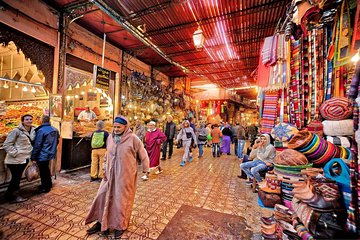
336 108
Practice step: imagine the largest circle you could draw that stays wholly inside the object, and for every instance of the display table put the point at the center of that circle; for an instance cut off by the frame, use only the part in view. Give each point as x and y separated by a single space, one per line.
76 153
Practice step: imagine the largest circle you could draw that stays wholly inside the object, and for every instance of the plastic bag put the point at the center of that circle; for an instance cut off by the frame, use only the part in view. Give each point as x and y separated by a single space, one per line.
32 172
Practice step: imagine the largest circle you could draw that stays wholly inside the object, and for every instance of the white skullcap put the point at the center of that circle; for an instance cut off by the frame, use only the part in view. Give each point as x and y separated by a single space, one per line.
152 123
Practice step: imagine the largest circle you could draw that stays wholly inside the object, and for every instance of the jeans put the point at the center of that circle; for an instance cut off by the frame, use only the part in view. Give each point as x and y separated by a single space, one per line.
214 147
241 145
14 185
253 168
187 150
164 147
201 151
235 146
45 175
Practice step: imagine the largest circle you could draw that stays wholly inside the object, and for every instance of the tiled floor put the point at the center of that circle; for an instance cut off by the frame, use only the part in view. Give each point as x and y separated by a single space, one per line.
209 183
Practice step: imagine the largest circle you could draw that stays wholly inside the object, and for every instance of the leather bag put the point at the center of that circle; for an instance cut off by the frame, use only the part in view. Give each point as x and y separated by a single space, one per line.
269 199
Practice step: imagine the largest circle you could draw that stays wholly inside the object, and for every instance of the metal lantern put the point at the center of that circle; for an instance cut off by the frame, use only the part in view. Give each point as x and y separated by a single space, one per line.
198 38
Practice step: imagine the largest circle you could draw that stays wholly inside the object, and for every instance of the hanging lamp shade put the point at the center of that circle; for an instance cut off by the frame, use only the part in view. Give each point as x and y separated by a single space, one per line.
198 38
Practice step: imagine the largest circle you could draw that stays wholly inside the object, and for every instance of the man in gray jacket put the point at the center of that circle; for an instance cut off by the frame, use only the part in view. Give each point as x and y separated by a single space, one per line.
170 132
264 159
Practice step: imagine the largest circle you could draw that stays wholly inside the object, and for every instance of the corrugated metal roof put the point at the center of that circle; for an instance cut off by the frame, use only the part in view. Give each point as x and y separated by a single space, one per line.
233 30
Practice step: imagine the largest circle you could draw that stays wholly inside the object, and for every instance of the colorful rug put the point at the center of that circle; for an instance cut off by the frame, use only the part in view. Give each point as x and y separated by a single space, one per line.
198 223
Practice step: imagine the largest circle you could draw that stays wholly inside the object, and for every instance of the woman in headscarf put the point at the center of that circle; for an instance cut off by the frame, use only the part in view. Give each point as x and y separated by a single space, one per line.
114 201
153 139
187 135
202 138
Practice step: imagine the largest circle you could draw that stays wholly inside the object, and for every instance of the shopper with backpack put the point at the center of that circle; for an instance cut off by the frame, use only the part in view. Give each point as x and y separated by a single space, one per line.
98 146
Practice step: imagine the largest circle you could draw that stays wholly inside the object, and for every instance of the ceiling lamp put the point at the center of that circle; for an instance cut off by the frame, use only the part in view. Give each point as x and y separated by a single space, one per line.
6 85
33 90
25 89
16 85
198 38
77 85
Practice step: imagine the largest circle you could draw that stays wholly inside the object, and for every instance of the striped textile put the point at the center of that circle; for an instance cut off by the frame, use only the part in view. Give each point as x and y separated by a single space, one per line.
336 108
269 113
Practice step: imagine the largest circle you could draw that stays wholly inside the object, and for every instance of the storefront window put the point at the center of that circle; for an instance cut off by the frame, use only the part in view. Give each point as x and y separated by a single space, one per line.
21 89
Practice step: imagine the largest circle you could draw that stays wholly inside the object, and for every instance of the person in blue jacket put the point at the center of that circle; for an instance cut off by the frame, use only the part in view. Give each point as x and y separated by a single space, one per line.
44 150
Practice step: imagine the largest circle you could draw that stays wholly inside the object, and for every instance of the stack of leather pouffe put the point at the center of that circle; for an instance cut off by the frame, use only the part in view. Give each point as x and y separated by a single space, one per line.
316 149
287 166
270 190
317 203
279 225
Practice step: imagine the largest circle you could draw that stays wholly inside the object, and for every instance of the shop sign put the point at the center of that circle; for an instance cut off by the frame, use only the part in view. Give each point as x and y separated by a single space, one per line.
101 78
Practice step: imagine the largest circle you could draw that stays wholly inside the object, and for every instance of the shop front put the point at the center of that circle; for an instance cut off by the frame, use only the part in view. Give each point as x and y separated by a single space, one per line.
86 86
25 82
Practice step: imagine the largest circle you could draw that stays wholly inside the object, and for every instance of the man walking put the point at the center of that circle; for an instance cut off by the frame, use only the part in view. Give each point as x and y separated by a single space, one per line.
45 146
170 132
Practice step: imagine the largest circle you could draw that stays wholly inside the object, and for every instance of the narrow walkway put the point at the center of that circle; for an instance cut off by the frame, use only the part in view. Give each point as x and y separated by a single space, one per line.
209 183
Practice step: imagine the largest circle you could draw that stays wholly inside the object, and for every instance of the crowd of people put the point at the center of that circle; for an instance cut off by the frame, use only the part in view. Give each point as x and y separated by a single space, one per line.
116 157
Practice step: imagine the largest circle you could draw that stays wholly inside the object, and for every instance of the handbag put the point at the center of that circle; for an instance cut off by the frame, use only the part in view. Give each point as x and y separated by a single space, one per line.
32 172
202 138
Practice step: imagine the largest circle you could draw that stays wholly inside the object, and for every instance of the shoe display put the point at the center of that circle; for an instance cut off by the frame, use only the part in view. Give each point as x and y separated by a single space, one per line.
145 177
268 220
94 229
118 233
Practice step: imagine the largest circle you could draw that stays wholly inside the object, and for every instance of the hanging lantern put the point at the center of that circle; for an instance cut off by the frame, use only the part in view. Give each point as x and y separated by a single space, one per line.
198 38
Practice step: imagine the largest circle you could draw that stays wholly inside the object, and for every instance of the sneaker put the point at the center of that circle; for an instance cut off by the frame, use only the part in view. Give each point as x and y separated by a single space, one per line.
95 228
163 159
190 159
118 233
158 172
249 182
182 163
19 199
145 177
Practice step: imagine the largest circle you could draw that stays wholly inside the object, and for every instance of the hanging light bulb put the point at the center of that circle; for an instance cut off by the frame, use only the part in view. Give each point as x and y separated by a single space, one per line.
33 90
16 85
69 88
82 93
85 84
76 96
6 85
77 85
25 89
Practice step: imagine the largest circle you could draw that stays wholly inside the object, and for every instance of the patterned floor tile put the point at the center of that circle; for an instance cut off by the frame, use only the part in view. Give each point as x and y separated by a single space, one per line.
209 183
